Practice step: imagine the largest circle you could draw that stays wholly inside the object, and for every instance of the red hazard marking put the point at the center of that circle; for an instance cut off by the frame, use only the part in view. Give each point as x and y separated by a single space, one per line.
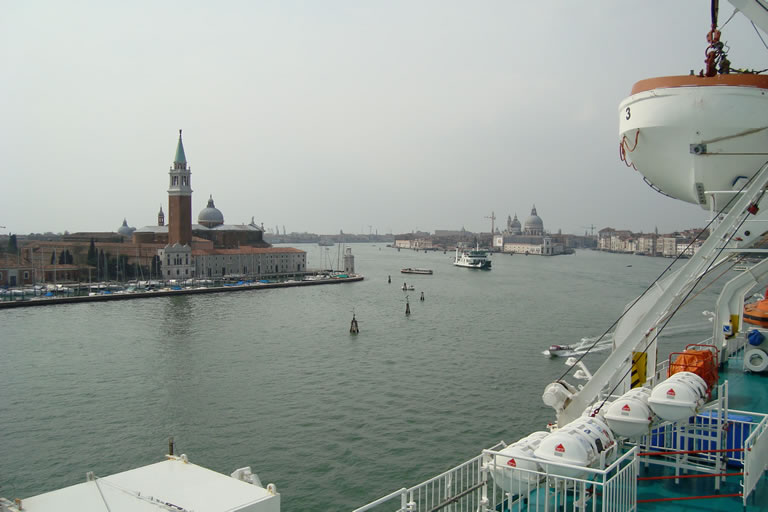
511 462
671 393
625 408
560 448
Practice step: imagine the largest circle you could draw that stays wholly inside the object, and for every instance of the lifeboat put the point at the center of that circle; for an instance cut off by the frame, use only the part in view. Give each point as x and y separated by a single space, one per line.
756 313
696 138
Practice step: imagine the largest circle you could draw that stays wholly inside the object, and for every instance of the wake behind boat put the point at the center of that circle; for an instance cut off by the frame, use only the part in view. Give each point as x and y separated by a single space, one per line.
473 258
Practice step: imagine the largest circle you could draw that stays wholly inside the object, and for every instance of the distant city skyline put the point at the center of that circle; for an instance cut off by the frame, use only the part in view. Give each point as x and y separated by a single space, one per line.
339 115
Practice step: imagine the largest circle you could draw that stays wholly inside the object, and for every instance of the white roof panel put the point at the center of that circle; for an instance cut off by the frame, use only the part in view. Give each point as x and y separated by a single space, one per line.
169 485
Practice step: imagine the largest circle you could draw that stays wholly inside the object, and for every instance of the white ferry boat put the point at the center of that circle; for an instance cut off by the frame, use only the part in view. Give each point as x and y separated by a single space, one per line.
472 258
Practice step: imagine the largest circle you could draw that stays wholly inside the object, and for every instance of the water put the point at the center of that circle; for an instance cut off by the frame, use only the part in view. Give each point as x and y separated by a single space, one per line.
272 379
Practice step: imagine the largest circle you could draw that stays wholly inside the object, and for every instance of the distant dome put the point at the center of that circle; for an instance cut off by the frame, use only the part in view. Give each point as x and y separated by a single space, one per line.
515 223
534 224
210 216
125 229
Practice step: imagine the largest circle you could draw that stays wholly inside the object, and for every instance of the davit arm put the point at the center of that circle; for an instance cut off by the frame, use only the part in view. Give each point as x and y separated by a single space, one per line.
637 328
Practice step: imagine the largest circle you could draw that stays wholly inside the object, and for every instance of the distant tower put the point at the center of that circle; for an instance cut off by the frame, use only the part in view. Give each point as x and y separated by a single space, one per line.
180 199
349 261
161 217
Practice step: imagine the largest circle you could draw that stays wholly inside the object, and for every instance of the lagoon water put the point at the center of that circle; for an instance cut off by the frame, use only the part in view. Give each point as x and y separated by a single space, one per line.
272 378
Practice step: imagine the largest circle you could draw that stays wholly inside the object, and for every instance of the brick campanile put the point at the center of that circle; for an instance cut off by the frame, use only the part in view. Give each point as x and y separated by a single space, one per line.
180 199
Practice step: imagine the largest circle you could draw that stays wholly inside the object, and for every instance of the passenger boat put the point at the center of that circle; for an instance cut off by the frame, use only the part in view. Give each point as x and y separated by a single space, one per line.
472 258
423 271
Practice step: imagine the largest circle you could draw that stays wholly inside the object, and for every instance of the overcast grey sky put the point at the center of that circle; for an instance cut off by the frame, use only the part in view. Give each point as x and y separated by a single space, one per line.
329 115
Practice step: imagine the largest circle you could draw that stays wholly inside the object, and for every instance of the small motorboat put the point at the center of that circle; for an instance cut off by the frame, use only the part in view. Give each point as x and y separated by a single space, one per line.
408 287
423 271
559 350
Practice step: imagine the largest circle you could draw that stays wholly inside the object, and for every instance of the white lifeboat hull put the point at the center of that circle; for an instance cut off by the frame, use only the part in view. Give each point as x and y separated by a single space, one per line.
696 135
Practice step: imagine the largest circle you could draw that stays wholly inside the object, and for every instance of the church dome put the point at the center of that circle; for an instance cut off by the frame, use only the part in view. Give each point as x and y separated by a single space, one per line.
210 216
125 229
534 223
515 223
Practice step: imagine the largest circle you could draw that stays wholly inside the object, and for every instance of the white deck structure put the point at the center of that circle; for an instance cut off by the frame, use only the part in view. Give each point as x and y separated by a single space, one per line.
174 484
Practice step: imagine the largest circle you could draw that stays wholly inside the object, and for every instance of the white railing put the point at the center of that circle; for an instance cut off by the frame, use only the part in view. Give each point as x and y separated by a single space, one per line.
457 490
562 486
484 485
755 458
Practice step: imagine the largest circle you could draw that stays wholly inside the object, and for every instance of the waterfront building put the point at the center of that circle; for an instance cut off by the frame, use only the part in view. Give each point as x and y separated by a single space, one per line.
174 244
220 250
528 238
14 272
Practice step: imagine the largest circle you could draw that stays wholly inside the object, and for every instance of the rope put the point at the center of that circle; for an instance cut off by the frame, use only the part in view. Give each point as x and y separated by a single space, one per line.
96 481
624 149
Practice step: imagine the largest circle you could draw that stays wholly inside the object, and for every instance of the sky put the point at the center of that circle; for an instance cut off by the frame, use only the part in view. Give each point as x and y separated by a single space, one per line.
320 116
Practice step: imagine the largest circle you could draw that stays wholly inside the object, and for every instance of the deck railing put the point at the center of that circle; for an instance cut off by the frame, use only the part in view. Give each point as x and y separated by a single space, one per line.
755 457
483 484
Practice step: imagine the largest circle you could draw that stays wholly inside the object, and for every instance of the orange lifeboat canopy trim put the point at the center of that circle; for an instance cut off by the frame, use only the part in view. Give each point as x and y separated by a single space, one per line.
733 80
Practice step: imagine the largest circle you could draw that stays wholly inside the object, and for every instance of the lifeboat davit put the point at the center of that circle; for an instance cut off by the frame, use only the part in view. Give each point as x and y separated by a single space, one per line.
691 136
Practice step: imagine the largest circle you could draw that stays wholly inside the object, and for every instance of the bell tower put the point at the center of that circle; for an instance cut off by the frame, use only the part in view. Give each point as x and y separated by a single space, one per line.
161 217
179 199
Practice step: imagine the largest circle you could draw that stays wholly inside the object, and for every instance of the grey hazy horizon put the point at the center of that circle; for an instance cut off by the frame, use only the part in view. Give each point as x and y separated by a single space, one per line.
339 115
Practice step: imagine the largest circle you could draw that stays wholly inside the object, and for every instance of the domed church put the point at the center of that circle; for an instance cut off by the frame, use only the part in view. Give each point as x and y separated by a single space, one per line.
530 238
210 248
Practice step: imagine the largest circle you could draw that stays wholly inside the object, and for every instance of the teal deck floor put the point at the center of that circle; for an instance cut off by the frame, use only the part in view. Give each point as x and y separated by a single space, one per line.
747 392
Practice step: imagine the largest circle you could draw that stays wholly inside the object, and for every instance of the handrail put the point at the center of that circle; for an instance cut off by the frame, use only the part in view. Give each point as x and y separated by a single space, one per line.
381 500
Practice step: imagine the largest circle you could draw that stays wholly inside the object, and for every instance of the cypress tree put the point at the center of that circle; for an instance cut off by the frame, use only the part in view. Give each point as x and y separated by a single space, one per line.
12 247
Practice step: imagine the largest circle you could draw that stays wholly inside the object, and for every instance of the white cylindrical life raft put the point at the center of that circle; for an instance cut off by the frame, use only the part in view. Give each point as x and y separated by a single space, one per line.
512 473
630 415
755 360
679 396
579 443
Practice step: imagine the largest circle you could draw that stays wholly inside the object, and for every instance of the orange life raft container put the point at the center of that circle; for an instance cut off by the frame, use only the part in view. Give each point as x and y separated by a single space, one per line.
756 313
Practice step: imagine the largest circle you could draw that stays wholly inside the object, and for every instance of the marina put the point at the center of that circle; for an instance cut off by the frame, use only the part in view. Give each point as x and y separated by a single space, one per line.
128 294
